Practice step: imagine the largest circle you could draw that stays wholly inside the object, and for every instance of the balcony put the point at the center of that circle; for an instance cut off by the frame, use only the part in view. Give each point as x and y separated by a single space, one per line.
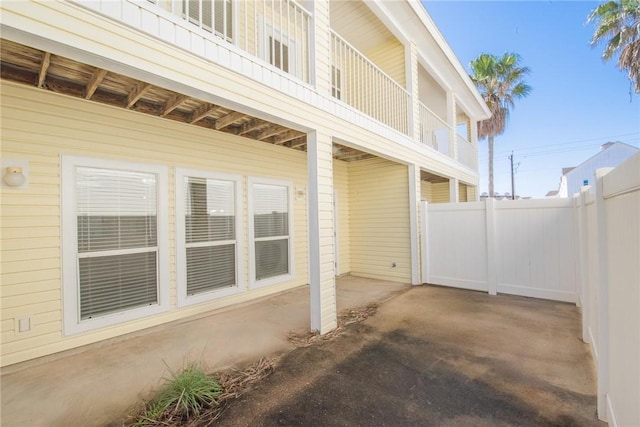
358 82
271 41
275 31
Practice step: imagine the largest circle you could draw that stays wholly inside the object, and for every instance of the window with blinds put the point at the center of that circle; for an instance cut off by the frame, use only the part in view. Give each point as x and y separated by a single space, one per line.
210 236
271 216
214 16
117 240
114 242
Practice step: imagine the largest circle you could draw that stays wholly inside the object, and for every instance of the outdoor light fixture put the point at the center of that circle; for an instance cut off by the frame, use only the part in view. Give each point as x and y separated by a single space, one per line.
15 173
14 177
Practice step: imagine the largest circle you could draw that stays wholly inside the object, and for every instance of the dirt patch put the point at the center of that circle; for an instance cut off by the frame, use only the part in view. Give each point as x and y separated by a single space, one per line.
345 318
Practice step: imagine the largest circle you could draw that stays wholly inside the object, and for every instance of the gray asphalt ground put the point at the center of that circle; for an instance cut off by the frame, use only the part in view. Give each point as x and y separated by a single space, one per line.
435 357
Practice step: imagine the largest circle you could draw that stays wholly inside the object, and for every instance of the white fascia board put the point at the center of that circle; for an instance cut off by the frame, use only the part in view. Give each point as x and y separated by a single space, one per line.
470 98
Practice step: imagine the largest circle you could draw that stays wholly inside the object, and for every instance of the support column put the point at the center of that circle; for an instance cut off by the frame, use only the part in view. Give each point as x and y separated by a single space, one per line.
415 217
411 67
454 190
321 251
473 133
320 60
451 121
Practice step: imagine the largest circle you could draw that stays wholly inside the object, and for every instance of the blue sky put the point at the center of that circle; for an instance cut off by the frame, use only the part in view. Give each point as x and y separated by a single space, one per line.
577 102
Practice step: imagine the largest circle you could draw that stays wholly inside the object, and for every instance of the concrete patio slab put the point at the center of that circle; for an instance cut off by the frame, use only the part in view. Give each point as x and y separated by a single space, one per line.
97 386
436 357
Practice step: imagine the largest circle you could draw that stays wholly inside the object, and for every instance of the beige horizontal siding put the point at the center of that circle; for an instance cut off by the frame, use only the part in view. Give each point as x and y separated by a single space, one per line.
390 58
39 126
462 192
379 218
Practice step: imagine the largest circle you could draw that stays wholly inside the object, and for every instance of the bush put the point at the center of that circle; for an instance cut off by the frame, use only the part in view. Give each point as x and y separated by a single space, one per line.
183 395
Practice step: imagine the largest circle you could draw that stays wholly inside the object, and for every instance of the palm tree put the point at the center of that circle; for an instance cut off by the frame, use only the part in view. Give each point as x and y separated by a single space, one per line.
500 82
619 23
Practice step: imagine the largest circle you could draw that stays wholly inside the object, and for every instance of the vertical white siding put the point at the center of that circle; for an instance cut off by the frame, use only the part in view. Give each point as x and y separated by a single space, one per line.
534 241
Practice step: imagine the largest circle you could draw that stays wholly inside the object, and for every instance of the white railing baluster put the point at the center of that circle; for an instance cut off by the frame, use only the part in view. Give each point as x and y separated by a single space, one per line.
370 89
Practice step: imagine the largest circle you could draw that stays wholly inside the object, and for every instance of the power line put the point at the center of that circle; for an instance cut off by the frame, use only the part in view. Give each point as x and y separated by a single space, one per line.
521 150
532 152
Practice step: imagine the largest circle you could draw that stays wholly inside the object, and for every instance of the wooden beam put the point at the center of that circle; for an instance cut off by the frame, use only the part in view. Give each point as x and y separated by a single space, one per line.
44 66
269 131
95 81
251 126
202 111
136 93
228 119
287 136
173 103
297 143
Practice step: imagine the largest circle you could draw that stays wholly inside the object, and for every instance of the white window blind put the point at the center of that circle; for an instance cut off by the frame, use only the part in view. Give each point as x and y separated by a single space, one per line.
117 240
271 230
210 234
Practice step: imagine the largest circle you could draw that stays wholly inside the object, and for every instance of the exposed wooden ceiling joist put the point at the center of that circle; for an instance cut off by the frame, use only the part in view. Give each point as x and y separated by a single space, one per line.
251 126
270 131
228 119
136 93
173 103
95 81
286 137
202 112
42 75
29 66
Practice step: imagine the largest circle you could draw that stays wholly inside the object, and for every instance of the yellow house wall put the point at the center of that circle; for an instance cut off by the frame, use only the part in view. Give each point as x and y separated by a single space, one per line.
435 192
390 58
40 126
462 192
431 94
425 190
440 192
341 189
380 233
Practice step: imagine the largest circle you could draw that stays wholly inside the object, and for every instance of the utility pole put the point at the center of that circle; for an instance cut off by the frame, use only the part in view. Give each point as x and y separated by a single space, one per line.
513 189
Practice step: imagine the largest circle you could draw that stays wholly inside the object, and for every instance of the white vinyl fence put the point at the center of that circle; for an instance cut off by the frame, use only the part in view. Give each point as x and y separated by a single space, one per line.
521 247
584 250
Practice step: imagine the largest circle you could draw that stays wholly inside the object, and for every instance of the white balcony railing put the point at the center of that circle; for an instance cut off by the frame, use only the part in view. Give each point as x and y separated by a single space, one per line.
467 153
434 132
358 82
276 31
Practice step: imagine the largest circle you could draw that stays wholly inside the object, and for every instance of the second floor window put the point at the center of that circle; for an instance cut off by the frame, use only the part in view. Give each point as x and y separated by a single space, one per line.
279 54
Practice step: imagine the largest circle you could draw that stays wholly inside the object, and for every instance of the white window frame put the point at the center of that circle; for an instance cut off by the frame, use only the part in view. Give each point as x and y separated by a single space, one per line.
337 88
72 324
181 247
253 282
266 31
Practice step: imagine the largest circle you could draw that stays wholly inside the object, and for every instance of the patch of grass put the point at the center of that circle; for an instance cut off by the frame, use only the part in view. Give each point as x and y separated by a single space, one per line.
185 394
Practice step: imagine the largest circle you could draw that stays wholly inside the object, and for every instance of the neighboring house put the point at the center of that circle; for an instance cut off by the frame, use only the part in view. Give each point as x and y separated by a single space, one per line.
181 157
611 155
